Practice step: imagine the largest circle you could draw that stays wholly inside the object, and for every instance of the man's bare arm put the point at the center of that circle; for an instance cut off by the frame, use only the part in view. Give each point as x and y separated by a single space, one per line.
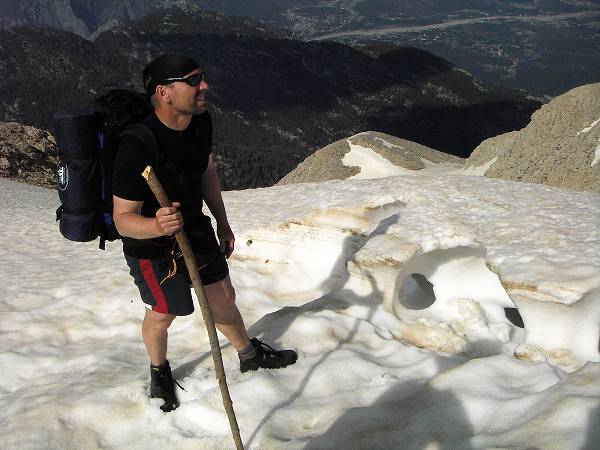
211 192
130 222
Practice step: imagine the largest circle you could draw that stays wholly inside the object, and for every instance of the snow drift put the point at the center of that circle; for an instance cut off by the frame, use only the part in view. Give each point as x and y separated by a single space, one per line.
427 309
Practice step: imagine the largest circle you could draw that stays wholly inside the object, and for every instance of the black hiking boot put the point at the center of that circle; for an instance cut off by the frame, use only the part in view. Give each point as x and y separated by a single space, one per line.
162 386
266 357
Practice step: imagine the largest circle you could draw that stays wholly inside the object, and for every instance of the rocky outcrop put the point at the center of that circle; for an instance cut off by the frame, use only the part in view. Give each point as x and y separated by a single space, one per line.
559 147
332 162
27 154
495 147
323 165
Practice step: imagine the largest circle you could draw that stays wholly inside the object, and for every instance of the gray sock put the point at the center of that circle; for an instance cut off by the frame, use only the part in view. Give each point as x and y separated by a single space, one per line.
247 353
161 367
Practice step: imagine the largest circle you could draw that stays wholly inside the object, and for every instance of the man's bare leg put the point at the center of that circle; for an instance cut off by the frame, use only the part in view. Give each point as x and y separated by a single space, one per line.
226 315
154 332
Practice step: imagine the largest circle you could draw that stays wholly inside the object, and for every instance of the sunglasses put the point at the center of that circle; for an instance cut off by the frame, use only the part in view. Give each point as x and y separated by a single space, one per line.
192 80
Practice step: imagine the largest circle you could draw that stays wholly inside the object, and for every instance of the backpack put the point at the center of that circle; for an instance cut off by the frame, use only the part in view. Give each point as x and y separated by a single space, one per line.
87 147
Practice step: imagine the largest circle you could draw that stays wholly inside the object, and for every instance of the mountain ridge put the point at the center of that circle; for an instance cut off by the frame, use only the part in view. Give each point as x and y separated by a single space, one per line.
274 100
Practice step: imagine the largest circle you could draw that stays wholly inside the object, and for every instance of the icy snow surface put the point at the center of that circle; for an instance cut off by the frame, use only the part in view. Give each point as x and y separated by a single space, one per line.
588 129
596 156
393 291
597 151
372 164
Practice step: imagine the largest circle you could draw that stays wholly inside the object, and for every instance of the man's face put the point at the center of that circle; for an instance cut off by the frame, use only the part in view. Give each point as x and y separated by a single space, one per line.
188 99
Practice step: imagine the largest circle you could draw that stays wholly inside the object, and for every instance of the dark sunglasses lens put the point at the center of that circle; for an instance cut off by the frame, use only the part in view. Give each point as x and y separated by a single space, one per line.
195 80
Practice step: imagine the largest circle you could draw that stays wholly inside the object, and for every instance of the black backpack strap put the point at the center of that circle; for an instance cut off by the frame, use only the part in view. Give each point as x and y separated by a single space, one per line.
144 134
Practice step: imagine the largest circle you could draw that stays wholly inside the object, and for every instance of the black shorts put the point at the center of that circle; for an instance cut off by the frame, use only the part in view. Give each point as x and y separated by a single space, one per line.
173 295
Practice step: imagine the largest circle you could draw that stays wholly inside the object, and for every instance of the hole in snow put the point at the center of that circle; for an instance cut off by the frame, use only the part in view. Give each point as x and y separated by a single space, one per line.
513 315
449 300
416 292
440 284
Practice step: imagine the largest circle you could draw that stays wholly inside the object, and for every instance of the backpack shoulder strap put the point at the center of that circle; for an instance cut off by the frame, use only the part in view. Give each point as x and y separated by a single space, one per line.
144 134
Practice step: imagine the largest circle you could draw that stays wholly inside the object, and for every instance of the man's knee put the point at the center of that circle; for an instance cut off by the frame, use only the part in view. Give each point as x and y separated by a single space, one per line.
220 294
158 320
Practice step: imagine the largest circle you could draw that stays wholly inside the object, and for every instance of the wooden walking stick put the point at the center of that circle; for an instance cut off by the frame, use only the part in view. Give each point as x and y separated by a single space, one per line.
190 262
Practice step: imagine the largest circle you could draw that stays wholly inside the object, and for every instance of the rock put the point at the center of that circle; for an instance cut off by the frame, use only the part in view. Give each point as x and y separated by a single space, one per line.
559 147
323 165
491 148
27 154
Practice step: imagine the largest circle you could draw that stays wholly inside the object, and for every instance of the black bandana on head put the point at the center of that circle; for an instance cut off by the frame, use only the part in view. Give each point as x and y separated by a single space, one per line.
166 66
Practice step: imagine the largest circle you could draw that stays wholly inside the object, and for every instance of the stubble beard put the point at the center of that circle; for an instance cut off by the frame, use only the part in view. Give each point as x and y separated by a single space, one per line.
199 105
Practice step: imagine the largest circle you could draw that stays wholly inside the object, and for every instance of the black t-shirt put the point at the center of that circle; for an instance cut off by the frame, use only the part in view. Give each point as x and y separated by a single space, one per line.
183 159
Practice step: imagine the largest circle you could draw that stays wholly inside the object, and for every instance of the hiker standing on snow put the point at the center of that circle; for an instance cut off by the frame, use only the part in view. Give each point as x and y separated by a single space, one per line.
183 129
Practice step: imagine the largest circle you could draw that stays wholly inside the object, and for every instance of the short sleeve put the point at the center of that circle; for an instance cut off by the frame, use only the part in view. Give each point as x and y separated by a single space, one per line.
132 158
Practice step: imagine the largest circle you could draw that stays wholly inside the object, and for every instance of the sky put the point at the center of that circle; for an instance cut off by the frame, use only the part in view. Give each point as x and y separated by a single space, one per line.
385 359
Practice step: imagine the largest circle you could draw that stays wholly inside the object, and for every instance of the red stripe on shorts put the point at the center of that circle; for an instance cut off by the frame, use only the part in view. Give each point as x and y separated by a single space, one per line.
155 290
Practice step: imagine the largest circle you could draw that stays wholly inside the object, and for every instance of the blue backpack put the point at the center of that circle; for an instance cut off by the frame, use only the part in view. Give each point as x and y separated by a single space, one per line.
87 146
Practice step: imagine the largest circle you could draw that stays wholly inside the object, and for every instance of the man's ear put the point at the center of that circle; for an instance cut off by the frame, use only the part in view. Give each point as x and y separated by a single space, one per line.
162 94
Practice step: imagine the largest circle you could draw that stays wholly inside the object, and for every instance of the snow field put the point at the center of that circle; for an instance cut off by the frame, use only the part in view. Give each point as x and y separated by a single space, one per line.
73 367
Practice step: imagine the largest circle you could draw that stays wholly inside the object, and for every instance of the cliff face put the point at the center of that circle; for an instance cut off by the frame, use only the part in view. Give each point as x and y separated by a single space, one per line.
559 147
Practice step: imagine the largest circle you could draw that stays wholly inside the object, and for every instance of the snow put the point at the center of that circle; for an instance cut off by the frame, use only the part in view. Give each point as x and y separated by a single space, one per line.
372 164
387 358
479 170
597 151
588 129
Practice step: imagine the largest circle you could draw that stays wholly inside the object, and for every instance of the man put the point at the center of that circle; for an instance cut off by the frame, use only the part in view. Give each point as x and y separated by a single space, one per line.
183 128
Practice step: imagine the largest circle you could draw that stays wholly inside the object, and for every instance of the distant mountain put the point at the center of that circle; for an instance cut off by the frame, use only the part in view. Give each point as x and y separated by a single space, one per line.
545 56
555 50
88 18
304 18
543 46
274 100
82 17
